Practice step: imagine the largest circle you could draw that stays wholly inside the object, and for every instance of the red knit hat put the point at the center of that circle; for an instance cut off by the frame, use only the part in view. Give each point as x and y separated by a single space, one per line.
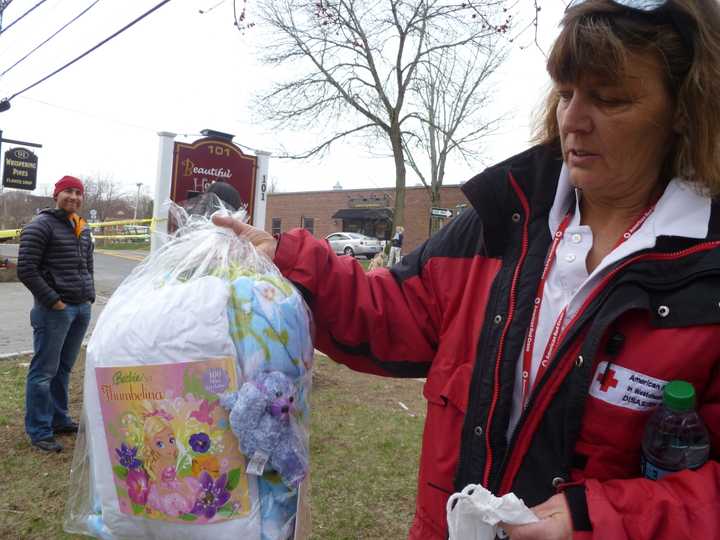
67 182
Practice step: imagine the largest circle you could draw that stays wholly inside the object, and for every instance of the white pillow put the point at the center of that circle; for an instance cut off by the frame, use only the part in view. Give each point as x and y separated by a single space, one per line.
170 325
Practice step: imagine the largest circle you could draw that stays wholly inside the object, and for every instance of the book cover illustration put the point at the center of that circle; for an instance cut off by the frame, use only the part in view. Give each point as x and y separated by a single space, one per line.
173 454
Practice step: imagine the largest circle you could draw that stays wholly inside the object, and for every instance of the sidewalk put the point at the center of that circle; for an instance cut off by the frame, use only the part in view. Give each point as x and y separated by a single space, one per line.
16 334
111 267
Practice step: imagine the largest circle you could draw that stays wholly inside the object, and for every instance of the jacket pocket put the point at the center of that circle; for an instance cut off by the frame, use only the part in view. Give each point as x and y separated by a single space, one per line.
452 389
447 404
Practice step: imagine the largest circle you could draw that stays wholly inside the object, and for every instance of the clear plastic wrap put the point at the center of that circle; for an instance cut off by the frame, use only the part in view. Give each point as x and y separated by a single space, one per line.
195 418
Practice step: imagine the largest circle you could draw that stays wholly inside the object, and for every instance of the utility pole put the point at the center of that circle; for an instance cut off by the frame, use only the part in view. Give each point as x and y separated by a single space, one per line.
137 200
2 184
3 5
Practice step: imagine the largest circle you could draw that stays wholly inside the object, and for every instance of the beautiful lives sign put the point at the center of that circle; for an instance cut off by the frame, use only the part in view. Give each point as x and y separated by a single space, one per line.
212 159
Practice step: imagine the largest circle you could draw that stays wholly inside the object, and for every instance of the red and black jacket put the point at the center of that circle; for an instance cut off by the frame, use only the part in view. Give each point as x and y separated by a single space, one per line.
456 311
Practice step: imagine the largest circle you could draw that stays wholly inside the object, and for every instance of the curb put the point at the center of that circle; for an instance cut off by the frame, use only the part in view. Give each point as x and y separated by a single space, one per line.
8 356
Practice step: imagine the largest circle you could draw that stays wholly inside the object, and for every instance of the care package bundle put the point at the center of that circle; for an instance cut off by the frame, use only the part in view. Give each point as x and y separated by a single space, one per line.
196 415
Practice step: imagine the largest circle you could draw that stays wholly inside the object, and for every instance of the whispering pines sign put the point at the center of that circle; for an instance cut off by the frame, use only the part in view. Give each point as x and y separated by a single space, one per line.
20 171
196 166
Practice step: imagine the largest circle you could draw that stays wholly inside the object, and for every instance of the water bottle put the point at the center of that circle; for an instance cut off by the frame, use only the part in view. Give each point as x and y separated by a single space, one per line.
675 436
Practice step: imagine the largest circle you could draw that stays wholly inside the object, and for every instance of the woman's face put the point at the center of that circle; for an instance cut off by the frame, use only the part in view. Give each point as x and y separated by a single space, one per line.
615 136
164 443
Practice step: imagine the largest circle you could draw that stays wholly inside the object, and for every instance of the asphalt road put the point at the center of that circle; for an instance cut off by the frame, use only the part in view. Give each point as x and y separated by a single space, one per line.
111 267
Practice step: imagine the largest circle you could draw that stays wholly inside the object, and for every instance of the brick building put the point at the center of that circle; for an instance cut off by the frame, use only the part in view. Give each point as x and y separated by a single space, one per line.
367 211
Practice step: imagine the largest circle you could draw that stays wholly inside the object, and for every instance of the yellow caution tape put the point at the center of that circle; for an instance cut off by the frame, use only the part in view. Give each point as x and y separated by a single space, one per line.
10 233
14 233
122 222
106 236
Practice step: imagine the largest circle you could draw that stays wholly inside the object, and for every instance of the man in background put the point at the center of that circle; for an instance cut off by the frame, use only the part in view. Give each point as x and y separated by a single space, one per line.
396 246
55 262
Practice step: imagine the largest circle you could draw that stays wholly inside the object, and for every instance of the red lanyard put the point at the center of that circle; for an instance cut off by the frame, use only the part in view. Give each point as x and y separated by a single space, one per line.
557 327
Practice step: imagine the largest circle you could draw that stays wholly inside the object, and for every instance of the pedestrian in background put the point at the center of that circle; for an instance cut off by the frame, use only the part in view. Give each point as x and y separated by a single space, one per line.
55 262
396 246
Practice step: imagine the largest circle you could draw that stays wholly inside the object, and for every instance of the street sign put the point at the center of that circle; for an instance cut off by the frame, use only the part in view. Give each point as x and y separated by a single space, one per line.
93 214
441 212
20 169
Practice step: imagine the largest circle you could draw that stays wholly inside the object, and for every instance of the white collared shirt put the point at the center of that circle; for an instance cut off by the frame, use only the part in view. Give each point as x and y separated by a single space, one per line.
681 211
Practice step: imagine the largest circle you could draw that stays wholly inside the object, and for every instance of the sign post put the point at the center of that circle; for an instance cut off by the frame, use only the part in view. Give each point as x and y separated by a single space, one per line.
162 190
189 169
257 219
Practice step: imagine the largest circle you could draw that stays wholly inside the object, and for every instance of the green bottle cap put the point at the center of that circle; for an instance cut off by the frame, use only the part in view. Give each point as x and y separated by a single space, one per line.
679 396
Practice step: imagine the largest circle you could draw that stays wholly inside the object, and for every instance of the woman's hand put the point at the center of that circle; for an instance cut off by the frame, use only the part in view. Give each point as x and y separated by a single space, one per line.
555 522
263 241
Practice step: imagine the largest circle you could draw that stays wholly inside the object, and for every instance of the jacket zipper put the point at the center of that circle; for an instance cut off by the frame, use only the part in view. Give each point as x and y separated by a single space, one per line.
78 243
534 413
508 322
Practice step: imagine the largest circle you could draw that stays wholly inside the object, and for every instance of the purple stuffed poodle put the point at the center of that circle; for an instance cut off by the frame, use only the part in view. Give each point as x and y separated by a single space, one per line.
261 417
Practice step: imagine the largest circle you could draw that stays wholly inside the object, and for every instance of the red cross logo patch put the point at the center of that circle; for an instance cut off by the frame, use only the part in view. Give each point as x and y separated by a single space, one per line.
624 387
607 380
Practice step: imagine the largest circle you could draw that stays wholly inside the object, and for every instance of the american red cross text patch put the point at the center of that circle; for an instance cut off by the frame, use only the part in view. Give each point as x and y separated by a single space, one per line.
626 388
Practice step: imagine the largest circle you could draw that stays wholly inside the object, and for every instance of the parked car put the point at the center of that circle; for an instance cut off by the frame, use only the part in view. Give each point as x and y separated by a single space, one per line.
354 244
136 229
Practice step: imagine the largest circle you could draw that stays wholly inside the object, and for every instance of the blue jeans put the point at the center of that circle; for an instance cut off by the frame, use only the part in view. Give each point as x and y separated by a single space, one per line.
57 338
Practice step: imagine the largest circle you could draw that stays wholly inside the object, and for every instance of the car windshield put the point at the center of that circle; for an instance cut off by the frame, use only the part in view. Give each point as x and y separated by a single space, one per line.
356 236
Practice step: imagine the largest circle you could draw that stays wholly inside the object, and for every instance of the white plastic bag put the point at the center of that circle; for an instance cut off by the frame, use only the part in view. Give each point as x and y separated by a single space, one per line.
156 456
473 514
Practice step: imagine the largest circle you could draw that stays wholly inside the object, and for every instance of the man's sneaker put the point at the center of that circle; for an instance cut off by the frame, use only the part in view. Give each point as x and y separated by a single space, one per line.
48 445
72 427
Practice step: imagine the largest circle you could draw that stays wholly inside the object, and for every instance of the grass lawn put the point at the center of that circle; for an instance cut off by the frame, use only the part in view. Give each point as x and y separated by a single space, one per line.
364 453
135 246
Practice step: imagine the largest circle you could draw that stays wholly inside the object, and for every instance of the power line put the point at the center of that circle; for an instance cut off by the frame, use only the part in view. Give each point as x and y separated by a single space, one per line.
83 12
9 26
92 116
83 55
100 118
204 11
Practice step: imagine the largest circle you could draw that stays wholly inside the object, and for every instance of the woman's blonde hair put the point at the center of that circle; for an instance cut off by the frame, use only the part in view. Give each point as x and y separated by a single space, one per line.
598 38
153 426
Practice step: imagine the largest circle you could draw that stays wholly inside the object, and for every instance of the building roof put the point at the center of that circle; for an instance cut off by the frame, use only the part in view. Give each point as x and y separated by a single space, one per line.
359 190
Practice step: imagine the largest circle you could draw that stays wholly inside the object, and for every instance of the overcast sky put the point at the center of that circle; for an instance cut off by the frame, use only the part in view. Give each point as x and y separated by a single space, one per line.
182 71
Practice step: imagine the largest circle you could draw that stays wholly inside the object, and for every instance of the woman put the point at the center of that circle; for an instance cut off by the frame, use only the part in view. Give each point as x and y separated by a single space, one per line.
588 272
396 246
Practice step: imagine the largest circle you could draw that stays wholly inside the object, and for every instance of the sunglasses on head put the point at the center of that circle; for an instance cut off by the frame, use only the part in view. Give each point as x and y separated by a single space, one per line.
661 10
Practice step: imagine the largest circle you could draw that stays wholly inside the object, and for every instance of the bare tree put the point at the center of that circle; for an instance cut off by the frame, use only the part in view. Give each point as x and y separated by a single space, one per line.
145 206
352 64
105 195
273 185
18 207
452 118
